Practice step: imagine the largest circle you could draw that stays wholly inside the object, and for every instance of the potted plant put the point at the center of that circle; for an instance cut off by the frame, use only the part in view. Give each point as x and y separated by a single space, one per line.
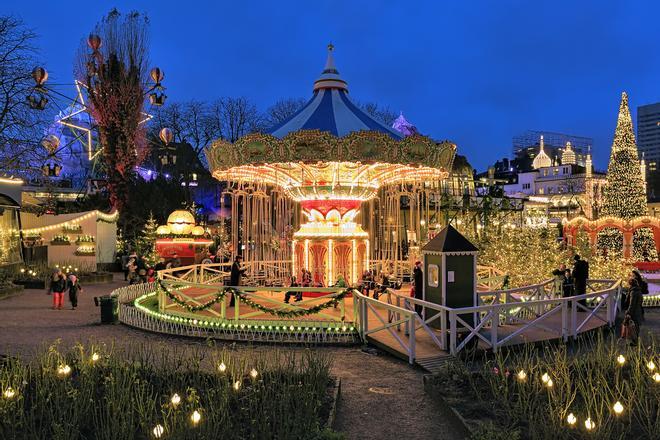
60 240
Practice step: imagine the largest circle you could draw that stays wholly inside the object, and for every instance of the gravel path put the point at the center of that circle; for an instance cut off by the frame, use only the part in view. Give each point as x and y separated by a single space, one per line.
381 397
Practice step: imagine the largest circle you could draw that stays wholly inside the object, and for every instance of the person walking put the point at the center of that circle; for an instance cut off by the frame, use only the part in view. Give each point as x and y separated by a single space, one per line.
57 287
580 277
635 310
558 276
235 276
74 289
124 265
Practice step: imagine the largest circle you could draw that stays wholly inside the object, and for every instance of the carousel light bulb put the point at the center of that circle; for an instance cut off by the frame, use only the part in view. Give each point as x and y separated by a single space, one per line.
621 359
237 385
571 419
158 431
545 378
195 417
650 365
589 424
618 407
522 376
9 393
176 399
222 367
253 373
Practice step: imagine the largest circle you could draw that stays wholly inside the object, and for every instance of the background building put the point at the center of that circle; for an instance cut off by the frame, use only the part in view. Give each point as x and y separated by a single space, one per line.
648 144
526 147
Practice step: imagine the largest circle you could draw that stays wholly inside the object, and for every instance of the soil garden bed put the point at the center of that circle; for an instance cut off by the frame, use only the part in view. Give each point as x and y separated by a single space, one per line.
557 393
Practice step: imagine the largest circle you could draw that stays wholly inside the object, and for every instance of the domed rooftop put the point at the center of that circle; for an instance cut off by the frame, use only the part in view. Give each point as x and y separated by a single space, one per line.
542 159
331 110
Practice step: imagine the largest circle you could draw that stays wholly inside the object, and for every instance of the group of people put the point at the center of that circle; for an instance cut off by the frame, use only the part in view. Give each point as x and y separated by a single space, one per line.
137 270
61 283
573 282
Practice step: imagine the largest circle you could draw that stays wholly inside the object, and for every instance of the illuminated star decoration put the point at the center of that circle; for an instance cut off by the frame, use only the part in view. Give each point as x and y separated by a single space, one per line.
79 106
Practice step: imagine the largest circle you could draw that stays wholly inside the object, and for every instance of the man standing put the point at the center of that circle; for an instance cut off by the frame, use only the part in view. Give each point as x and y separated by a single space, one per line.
580 277
235 276
418 281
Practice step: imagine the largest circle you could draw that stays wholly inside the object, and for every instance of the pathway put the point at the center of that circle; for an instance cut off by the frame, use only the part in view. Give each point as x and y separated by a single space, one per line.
374 387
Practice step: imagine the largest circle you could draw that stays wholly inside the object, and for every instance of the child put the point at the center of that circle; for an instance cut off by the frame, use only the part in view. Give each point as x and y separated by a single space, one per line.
74 289
57 287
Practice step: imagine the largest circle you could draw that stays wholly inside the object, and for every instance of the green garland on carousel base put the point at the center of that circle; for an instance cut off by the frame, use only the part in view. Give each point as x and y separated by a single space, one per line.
221 294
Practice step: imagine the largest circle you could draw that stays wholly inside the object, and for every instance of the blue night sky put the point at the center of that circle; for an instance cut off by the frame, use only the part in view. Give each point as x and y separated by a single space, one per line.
474 72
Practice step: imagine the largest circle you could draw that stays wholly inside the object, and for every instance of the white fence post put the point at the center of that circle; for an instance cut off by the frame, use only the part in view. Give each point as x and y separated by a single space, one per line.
494 320
564 320
411 344
452 333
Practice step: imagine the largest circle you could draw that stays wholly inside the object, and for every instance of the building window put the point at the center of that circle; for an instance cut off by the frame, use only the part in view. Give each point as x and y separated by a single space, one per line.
541 191
555 172
434 275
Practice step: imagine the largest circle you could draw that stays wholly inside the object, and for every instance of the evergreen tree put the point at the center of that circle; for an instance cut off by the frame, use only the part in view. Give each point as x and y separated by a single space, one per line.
146 243
624 195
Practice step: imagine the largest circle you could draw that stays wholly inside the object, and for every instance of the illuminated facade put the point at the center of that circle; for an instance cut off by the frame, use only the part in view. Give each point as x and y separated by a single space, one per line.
313 188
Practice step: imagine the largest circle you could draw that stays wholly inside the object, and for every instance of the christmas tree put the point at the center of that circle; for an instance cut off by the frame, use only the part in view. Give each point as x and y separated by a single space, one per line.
624 195
146 243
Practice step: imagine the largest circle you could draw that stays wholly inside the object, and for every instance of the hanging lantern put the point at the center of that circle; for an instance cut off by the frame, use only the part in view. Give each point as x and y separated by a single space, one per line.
157 75
94 42
166 135
181 222
40 75
51 143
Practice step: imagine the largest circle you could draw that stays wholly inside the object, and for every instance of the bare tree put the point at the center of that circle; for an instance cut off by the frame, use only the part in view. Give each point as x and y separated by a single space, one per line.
382 114
191 122
236 117
116 76
21 128
283 109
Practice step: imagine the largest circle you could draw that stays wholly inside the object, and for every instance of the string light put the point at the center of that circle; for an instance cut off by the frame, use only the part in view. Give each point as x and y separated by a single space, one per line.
222 367
253 373
63 370
621 359
237 385
158 431
175 400
95 357
9 393
589 424
650 365
108 218
618 408
195 417
545 378
521 375
656 377
571 419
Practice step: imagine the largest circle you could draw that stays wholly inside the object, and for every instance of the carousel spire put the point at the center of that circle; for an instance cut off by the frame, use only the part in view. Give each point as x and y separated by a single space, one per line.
330 78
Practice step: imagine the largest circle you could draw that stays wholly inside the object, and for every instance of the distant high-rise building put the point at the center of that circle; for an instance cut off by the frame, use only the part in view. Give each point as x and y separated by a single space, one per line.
527 145
648 135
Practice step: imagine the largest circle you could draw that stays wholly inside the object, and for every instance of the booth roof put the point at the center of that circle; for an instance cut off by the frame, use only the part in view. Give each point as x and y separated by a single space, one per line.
449 240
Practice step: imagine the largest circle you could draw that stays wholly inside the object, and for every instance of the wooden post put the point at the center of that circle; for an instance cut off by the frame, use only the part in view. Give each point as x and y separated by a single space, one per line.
452 333
564 319
494 320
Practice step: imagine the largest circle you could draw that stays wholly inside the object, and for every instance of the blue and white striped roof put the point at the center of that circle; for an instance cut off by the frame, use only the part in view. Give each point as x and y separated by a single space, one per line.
331 110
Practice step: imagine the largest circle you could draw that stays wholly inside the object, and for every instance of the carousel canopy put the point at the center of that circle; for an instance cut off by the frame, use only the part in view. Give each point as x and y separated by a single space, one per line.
330 109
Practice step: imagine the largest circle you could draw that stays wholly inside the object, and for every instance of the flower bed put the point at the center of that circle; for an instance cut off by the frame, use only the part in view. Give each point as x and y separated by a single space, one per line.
601 390
150 391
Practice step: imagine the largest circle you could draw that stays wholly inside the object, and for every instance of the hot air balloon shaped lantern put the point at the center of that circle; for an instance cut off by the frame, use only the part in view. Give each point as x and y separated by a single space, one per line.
38 100
157 97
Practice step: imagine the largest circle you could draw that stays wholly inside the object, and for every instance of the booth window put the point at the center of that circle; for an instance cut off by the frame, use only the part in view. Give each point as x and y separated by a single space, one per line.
434 273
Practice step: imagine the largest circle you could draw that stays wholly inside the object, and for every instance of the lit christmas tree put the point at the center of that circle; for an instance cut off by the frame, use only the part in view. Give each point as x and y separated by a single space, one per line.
146 243
624 195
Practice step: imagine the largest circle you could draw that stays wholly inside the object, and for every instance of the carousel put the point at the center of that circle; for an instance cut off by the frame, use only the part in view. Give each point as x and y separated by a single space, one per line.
323 189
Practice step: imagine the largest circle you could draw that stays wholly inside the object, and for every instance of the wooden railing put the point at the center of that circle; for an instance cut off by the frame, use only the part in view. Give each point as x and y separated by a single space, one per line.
276 272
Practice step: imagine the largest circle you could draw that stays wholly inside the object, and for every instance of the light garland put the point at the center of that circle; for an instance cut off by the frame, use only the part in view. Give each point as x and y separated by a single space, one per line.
225 325
101 216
